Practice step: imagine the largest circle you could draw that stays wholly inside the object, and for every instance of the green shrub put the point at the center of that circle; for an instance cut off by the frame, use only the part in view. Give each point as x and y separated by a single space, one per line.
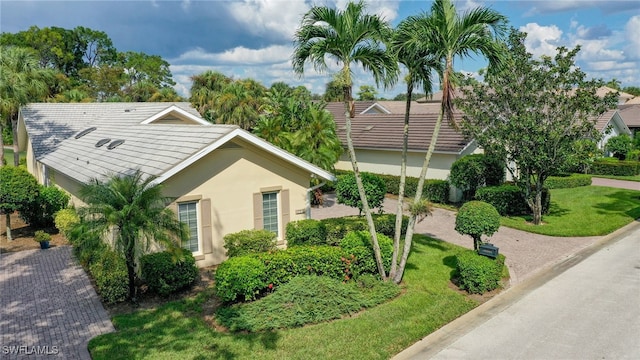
65 220
619 146
478 274
467 174
240 278
18 189
306 300
166 272
41 236
509 199
565 182
109 271
436 191
615 168
337 228
358 243
249 241
40 213
477 218
306 232
347 190
87 246
634 155
282 266
494 169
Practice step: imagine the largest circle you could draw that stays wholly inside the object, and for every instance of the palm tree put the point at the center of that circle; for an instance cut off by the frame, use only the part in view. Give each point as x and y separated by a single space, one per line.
22 81
203 91
132 208
347 37
316 140
420 64
446 34
239 103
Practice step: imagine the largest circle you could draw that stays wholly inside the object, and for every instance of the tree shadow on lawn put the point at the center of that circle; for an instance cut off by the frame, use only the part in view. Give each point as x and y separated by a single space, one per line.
620 203
556 210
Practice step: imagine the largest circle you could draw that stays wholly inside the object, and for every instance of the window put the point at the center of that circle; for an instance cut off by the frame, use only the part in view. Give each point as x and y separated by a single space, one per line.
270 212
188 214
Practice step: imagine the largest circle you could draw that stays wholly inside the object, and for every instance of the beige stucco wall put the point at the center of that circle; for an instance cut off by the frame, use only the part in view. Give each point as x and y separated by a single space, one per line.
229 177
388 162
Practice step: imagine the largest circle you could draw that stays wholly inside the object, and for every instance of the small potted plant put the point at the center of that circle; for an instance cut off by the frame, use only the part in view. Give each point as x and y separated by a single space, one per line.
43 238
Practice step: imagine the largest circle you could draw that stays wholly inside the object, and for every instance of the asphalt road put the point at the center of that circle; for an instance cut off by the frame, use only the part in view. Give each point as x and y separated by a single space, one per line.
587 307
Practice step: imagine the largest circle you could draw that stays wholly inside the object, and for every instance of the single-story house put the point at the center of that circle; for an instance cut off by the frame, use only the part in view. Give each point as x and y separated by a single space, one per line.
610 124
630 114
223 179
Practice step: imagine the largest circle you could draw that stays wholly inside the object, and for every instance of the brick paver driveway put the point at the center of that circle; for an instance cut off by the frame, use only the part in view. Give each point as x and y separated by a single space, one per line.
47 306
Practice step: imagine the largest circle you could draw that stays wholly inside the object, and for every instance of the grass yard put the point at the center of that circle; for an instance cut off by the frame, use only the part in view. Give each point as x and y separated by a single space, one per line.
583 211
177 330
8 156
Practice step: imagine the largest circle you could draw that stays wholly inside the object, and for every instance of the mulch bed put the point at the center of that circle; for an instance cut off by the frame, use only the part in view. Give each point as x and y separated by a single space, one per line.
23 236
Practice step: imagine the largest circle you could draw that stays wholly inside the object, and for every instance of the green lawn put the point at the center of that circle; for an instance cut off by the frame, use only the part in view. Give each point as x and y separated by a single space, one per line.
8 156
176 330
584 211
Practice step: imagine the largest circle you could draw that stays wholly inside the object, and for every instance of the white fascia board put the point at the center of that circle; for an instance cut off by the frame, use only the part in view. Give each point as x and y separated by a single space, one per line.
376 105
253 140
174 108
618 119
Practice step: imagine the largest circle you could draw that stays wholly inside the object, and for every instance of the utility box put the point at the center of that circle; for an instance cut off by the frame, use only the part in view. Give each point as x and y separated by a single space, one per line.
488 250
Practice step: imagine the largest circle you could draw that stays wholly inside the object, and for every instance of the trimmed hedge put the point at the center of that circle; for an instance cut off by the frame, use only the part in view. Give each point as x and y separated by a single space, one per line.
166 273
306 232
566 182
109 271
358 244
478 274
337 228
240 278
615 168
65 220
509 199
249 242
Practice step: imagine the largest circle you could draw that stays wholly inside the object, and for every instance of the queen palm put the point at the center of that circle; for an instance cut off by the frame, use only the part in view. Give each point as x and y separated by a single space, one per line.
445 35
132 208
22 81
348 37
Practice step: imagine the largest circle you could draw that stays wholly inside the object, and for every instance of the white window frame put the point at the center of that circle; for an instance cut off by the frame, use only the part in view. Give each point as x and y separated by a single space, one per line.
200 250
278 212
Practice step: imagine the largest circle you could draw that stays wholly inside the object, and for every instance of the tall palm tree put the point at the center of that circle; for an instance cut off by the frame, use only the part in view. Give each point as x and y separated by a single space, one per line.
420 64
239 103
316 140
447 34
348 37
132 208
22 81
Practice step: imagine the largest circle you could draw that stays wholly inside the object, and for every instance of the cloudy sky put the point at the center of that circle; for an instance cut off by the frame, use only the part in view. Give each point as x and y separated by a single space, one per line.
252 38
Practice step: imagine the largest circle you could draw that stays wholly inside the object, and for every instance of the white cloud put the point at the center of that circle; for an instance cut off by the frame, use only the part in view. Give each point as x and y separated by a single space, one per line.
632 32
269 17
542 40
238 56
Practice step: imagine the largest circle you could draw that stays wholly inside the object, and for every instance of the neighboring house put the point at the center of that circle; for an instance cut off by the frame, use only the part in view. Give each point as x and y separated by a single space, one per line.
223 179
630 114
610 124
377 135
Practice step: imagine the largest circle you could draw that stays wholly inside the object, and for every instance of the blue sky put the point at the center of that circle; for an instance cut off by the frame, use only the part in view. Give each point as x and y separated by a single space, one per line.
252 38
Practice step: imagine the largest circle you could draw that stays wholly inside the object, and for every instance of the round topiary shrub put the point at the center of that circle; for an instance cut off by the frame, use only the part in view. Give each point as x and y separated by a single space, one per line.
477 218
358 243
374 189
467 174
240 278
166 272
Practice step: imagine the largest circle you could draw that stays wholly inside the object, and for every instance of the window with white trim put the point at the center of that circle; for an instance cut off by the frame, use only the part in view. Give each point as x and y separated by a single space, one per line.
270 212
188 214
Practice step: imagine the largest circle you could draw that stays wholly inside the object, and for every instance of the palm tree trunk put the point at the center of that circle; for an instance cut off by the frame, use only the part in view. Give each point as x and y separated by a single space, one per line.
8 220
401 187
349 108
16 148
1 144
412 218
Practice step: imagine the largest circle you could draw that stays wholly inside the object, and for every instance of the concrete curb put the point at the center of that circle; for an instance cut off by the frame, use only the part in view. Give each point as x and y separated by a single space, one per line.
445 336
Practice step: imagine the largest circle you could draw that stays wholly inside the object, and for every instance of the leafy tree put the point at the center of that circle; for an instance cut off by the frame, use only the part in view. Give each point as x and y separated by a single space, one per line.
347 37
414 96
367 92
347 190
534 111
22 81
467 174
153 69
18 189
619 146
133 209
614 84
203 91
477 218
633 90
239 103
444 34
333 91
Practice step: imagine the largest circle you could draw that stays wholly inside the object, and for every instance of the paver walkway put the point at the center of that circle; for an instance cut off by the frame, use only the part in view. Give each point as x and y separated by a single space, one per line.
48 306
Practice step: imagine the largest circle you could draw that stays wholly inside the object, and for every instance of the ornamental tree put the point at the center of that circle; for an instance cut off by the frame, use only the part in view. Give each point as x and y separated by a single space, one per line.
18 188
477 218
347 190
533 112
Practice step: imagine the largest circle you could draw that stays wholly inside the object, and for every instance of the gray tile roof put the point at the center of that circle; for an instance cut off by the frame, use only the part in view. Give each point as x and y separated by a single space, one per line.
153 149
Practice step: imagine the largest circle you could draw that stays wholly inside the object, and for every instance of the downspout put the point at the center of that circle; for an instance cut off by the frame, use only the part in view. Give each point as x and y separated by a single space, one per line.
308 207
